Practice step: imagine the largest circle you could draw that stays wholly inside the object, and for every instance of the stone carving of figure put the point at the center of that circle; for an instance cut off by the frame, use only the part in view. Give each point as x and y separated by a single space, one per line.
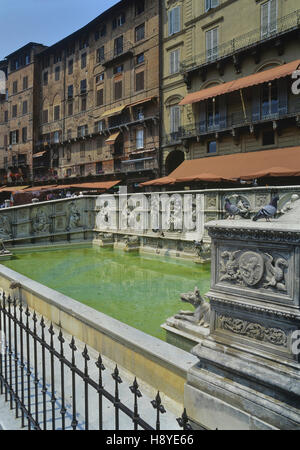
290 205
74 217
40 222
5 227
201 315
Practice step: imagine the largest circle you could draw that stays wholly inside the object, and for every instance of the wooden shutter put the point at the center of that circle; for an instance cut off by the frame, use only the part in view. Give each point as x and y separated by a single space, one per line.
265 19
256 103
202 117
139 81
282 96
177 24
118 90
223 111
272 16
212 42
207 5
100 97
175 119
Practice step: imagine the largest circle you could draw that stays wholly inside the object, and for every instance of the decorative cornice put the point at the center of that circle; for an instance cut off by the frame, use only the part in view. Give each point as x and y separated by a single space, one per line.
255 234
253 308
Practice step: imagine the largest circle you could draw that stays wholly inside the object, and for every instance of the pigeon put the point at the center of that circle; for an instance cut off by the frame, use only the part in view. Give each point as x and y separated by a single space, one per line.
232 210
267 211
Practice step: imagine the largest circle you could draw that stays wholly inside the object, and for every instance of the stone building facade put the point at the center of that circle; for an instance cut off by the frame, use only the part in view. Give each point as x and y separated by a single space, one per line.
218 41
18 114
93 112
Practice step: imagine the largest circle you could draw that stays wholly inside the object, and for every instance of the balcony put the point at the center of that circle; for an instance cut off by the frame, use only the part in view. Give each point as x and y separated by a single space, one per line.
229 123
242 43
118 54
138 165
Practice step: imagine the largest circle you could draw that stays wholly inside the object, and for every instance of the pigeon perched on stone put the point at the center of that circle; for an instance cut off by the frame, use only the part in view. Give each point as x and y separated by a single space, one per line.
232 209
267 211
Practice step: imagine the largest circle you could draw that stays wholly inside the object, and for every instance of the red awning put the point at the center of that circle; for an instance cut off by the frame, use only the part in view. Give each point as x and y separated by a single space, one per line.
241 83
280 162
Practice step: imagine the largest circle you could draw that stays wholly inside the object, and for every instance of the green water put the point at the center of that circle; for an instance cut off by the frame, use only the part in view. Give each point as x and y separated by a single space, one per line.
141 291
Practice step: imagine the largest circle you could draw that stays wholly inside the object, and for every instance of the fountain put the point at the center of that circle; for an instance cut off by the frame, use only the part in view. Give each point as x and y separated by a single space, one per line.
248 373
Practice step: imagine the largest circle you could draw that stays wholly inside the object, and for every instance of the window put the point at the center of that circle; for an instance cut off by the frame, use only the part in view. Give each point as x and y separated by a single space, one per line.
70 66
69 172
99 126
140 58
212 147
118 46
175 118
269 99
82 170
84 43
174 61
57 73
83 104
140 139
71 50
140 32
99 167
83 60
56 112
118 21
83 87
24 134
69 153
27 59
97 36
70 109
25 107
268 18
118 90
45 116
56 137
268 137
5 116
103 31
14 111
82 130
213 114
82 149
15 87
118 69
99 78
140 81
70 91
139 7
100 54
25 83
45 78
210 4
174 20
212 42
57 58
99 97
14 137
140 113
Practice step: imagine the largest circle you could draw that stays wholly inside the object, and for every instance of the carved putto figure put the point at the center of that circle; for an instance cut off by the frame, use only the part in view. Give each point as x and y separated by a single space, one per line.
275 273
201 315
74 217
40 222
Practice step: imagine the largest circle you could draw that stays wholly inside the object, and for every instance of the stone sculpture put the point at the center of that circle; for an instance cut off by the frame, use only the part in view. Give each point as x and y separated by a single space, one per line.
40 222
74 217
201 315
5 227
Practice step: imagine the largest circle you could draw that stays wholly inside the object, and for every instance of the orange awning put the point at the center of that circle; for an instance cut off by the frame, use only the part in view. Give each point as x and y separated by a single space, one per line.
40 188
38 155
105 185
140 102
112 138
242 83
114 111
281 162
12 189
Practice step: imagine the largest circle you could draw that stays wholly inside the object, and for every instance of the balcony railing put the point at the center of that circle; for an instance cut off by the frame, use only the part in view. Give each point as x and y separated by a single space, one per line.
118 52
228 122
139 165
254 37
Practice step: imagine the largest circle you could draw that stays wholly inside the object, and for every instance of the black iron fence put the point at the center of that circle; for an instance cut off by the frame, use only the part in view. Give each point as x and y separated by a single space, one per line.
33 374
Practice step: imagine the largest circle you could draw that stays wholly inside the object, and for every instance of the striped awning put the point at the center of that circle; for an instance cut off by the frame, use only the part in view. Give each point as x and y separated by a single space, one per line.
113 112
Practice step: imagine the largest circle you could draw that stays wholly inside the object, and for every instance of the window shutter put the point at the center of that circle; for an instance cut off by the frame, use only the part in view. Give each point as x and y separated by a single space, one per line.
175 119
264 19
215 42
170 22
223 111
214 3
202 117
177 25
17 136
207 5
273 16
139 82
10 137
174 61
140 139
100 97
255 104
282 96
